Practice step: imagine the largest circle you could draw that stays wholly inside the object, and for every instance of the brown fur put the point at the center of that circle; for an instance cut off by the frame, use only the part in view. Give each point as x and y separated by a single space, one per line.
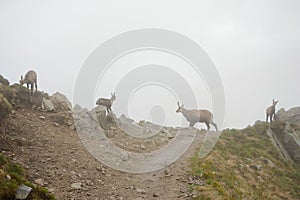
270 112
194 116
107 102
30 79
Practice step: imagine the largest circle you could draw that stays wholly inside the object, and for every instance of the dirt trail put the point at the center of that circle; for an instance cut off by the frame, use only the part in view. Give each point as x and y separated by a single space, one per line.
54 157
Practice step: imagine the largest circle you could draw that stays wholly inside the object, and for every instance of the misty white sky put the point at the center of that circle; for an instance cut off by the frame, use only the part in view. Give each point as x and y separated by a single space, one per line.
255 46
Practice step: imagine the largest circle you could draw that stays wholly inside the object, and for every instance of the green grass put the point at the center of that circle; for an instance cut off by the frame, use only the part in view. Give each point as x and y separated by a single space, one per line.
227 174
17 176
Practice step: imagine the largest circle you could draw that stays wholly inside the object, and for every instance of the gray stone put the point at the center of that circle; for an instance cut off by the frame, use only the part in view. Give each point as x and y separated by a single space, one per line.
47 105
155 194
42 117
256 167
167 172
141 191
268 162
39 182
60 102
287 138
22 192
124 156
76 186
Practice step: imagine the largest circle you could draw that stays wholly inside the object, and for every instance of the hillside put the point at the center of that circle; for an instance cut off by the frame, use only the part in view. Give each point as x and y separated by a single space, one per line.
38 134
245 165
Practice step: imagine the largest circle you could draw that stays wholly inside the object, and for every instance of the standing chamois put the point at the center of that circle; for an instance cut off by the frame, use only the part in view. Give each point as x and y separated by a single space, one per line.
194 116
30 79
107 102
270 112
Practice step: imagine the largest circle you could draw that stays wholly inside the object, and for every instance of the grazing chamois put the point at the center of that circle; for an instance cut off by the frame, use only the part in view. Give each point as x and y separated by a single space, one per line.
194 116
107 102
270 112
30 79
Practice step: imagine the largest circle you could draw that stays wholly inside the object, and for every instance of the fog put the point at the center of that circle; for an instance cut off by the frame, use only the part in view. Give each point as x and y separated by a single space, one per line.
254 45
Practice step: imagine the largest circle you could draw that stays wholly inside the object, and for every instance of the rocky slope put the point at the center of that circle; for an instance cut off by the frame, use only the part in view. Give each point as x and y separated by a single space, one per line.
50 140
41 136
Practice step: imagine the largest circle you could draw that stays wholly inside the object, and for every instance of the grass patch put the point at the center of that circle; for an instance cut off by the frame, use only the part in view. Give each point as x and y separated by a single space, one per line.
228 172
11 176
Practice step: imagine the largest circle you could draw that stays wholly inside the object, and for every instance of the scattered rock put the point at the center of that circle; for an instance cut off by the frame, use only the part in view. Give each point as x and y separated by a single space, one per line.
194 194
39 182
268 162
256 167
141 191
142 146
167 172
124 156
55 124
76 186
22 192
260 178
42 117
8 177
155 194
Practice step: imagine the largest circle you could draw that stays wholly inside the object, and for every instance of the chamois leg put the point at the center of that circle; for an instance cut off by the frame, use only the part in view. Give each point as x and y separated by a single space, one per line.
215 125
192 124
36 86
271 118
31 89
208 126
267 117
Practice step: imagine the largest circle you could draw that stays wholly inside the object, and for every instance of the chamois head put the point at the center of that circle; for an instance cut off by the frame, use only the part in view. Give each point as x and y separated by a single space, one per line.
180 108
275 102
113 96
22 81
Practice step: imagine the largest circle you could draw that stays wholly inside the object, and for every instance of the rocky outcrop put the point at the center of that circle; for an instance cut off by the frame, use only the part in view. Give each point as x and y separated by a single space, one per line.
287 132
105 121
4 81
289 138
47 105
60 102
292 115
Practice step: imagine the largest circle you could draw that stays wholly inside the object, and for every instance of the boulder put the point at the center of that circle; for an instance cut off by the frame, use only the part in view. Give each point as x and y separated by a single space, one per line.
292 115
60 102
105 121
22 192
47 105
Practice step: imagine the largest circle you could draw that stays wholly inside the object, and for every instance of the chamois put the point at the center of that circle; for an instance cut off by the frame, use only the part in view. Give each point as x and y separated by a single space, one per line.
194 116
30 79
270 112
107 102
